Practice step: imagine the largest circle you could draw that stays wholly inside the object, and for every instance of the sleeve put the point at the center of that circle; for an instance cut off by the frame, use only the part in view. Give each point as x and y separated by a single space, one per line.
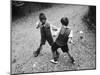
70 37
71 34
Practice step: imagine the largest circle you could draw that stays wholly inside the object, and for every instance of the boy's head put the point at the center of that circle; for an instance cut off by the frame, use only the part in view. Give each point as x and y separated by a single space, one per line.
64 21
42 17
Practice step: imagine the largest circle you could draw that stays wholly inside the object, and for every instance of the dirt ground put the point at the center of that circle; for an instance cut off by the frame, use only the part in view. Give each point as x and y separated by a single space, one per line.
25 39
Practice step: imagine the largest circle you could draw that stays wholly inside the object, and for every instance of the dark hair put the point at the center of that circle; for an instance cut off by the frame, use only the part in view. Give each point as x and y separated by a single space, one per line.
64 21
42 16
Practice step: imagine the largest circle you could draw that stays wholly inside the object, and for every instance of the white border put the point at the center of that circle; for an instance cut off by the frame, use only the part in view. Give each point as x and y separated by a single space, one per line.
86 2
5 36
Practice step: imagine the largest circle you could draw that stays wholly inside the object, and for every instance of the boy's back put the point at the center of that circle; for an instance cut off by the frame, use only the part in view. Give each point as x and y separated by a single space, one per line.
63 36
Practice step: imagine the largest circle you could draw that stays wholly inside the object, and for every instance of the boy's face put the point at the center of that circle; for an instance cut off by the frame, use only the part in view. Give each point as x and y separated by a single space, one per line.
43 21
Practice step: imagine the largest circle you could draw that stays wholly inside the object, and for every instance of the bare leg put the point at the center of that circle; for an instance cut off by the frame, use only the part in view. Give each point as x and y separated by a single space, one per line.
38 50
55 55
72 59
55 52
65 49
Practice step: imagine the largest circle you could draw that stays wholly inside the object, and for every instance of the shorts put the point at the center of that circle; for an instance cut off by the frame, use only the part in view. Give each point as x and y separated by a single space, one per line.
63 48
49 39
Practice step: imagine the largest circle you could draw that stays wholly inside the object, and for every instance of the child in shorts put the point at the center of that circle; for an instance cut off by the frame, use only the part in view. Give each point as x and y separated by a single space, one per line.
61 41
45 31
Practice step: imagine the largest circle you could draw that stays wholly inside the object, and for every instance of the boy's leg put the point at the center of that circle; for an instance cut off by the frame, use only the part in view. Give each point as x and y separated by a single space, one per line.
50 40
54 48
40 47
66 49
55 52
38 50
72 59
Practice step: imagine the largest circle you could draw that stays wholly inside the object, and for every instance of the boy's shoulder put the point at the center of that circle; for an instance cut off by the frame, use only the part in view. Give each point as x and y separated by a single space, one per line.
69 28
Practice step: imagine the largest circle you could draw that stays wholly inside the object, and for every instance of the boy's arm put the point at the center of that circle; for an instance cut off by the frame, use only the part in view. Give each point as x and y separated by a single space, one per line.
70 37
37 25
55 30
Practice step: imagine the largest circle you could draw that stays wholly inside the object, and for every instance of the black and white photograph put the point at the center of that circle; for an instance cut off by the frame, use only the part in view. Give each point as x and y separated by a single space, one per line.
52 37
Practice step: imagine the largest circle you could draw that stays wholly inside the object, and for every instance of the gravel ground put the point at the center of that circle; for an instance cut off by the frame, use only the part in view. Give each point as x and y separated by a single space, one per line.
26 39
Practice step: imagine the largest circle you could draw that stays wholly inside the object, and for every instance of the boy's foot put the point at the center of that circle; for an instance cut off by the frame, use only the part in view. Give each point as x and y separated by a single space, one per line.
53 61
72 61
36 54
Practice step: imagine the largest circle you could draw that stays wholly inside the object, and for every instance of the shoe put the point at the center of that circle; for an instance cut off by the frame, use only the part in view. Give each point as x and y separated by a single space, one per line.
55 62
72 61
36 54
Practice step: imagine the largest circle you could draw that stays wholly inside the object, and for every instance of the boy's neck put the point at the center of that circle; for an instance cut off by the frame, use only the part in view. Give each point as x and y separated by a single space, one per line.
43 23
64 26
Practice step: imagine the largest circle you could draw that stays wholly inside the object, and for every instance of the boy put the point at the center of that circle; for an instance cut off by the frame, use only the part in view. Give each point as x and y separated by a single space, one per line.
45 31
64 36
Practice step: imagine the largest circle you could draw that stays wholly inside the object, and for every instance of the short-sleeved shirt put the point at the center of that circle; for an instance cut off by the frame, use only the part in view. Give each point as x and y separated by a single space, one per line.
63 36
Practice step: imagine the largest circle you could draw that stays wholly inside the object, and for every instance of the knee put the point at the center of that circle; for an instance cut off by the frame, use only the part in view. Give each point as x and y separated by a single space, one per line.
52 48
66 51
41 44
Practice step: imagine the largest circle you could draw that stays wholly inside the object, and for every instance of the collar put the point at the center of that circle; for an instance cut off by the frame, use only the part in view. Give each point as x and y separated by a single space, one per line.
65 26
41 24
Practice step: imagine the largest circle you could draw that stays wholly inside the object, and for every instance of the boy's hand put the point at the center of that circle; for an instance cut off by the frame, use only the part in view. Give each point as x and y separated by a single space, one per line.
71 41
37 27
